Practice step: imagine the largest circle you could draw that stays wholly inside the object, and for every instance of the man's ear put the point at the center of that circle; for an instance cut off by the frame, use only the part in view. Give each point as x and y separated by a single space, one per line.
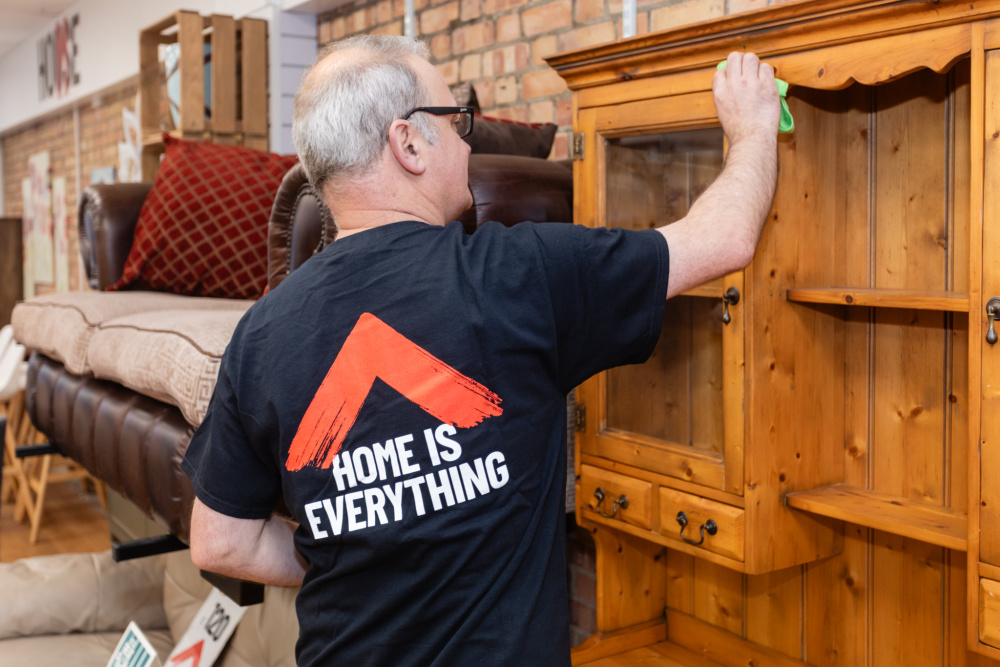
408 146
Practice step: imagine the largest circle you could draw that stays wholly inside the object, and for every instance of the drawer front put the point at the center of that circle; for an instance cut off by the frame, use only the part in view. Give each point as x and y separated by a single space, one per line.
728 538
989 612
638 510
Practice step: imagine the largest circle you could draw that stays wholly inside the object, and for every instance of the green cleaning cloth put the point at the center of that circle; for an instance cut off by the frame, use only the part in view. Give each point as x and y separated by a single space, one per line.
787 123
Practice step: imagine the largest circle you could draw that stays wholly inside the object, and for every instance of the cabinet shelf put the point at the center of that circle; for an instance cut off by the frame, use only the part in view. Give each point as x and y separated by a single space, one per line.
884 298
901 516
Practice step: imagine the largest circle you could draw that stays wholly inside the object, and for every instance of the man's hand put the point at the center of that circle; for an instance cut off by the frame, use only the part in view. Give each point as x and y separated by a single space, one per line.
746 98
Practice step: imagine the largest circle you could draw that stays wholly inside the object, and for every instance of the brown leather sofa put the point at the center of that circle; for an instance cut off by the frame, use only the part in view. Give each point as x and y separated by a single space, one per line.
134 442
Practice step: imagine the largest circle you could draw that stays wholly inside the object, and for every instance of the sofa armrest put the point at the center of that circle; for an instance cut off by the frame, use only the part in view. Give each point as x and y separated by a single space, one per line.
108 213
80 593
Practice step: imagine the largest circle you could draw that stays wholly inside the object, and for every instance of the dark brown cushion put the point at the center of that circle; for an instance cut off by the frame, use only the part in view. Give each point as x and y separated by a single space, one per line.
507 137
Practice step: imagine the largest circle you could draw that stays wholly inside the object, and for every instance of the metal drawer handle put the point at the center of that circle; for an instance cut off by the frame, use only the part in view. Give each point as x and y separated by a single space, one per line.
621 502
709 527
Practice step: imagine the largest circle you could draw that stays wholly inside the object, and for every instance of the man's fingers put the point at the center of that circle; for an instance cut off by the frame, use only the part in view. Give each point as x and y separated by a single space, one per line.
766 72
751 63
734 64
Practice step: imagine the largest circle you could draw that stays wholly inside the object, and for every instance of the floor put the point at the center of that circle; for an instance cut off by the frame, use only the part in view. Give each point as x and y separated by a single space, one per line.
72 521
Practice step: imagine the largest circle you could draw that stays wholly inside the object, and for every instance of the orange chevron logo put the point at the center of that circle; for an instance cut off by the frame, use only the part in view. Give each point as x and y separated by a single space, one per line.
373 350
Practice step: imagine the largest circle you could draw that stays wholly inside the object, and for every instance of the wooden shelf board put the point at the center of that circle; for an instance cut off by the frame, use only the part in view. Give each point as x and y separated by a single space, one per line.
901 516
885 298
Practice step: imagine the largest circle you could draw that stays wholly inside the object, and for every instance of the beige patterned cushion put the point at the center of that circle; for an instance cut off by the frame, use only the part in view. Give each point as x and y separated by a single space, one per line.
170 355
61 325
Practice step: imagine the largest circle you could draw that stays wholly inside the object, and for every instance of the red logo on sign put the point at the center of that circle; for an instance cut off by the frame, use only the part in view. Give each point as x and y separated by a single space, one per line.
375 350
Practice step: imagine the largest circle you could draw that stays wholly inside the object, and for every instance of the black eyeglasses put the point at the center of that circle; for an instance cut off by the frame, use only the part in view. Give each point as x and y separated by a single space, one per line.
463 117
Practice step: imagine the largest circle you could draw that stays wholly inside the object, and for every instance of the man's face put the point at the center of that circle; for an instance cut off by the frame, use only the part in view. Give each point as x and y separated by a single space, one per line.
448 158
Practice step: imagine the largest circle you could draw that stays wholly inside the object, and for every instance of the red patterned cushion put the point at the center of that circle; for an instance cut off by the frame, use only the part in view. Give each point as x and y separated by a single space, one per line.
202 230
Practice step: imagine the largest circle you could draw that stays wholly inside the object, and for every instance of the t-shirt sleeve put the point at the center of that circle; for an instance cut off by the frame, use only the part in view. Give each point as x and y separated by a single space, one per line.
608 289
230 472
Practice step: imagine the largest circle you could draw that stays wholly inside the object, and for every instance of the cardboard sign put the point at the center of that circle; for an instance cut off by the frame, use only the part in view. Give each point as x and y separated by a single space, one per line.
134 650
208 633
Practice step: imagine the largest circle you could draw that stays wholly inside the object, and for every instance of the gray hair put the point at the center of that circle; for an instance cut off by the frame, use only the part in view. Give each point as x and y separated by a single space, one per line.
344 108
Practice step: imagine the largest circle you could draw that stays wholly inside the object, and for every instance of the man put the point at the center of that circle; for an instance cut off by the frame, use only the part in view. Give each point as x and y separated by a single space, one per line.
403 391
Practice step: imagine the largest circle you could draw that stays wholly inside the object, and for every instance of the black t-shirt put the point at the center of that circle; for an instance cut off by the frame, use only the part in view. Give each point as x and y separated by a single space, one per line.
404 390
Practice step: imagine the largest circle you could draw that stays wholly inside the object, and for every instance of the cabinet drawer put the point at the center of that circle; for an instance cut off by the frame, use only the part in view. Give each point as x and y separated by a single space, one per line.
989 612
728 538
639 511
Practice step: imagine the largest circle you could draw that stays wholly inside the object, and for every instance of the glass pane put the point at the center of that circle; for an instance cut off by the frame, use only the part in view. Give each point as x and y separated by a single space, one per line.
676 396
653 180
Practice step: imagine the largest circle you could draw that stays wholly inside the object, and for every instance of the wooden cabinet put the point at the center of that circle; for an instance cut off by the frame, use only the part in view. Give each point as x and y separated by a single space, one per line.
844 379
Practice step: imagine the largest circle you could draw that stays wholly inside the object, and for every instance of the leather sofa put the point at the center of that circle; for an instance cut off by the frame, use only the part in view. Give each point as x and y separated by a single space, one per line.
132 433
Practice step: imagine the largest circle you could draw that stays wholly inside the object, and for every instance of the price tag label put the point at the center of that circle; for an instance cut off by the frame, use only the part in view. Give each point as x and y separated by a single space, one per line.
208 633
134 650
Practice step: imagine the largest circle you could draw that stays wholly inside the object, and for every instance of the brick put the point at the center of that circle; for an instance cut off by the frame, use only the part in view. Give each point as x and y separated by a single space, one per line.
508 28
739 6
582 617
449 70
564 117
395 28
542 48
590 35
471 67
506 60
383 11
560 149
583 587
541 112
484 93
473 37
494 7
541 83
588 10
548 17
685 13
399 8
505 90
438 18
471 10
441 47
518 113
642 23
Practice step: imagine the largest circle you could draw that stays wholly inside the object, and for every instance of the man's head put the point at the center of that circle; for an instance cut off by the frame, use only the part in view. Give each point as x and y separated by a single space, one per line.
356 95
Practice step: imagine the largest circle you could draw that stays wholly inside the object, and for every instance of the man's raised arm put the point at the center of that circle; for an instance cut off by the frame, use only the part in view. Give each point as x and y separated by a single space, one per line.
720 232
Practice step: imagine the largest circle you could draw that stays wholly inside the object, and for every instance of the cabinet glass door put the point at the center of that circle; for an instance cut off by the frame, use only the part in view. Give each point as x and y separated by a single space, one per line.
679 414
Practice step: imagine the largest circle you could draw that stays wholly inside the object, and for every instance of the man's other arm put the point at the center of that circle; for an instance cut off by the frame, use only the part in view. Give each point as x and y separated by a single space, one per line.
720 232
253 549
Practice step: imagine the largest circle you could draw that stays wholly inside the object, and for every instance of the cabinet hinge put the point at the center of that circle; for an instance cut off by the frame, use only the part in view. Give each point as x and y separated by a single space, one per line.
577 147
581 417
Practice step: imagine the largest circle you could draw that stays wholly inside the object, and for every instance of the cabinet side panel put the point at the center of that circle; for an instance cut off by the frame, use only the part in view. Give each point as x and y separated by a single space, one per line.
795 359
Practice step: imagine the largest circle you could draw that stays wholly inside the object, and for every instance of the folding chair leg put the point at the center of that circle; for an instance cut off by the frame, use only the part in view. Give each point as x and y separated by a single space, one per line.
43 480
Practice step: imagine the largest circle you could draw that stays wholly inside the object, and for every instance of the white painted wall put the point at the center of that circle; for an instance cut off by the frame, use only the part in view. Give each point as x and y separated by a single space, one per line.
107 39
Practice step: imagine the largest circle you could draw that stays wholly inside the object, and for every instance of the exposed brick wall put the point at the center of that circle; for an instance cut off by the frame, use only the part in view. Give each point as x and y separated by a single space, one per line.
499 46
100 120
581 579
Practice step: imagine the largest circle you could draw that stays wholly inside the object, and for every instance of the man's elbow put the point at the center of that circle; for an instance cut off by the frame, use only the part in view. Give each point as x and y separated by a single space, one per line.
211 550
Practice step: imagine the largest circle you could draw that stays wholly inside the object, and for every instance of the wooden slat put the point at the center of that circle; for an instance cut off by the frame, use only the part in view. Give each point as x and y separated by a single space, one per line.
883 298
605 644
192 72
718 596
725 648
223 102
892 514
253 71
662 654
